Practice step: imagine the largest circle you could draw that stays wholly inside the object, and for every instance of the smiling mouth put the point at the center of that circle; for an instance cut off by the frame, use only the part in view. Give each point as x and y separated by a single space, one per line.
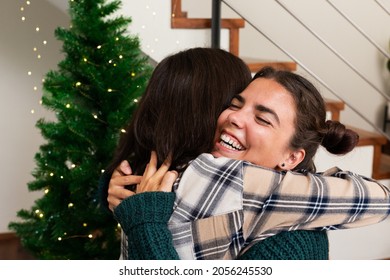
227 142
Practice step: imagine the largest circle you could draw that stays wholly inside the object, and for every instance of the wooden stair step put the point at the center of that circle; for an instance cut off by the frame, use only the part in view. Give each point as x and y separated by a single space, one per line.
334 107
367 138
381 165
205 23
256 64
384 168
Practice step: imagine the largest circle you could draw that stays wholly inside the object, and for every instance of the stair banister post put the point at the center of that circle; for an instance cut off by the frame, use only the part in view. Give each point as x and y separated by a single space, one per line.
216 24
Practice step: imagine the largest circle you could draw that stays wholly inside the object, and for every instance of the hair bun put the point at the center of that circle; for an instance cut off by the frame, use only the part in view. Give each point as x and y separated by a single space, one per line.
338 139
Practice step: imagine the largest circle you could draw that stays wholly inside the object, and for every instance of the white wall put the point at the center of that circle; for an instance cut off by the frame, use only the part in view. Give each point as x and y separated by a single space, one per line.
21 140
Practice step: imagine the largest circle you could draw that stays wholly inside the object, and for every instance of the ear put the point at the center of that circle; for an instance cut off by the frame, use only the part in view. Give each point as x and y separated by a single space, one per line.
293 159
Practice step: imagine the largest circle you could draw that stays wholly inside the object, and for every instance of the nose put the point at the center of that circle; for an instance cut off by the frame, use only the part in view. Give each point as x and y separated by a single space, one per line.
236 118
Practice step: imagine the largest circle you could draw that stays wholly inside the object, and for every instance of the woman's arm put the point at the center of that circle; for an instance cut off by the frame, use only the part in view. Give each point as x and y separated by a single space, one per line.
290 245
144 219
275 201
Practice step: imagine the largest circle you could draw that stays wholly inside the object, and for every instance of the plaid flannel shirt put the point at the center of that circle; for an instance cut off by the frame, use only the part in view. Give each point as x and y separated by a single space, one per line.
223 206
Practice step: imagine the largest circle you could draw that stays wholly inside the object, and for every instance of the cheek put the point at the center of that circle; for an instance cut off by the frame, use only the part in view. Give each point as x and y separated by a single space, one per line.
221 119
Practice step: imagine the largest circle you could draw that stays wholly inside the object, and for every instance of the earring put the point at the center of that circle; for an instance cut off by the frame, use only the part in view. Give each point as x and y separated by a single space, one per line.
283 165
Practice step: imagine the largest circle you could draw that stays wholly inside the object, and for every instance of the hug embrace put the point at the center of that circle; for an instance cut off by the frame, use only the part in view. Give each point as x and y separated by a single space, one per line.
222 166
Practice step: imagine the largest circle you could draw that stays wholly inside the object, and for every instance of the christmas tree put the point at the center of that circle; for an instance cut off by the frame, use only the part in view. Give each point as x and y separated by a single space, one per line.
93 94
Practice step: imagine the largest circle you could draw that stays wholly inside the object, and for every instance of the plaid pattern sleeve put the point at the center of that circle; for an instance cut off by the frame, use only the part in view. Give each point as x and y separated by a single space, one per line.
223 206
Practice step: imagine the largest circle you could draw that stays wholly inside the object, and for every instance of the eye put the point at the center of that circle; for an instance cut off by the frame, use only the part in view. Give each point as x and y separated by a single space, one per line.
263 121
235 105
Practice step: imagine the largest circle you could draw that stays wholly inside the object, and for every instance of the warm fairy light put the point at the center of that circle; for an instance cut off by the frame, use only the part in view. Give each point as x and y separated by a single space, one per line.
99 47
62 177
39 213
123 130
70 205
110 61
37 29
35 49
32 111
40 102
85 59
90 236
22 9
39 56
51 174
46 190
120 56
67 105
73 165
35 88
85 224
95 116
28 2
44 42
78 84
102 171
109 90
29 73
135 100
23 18
117 39
59 238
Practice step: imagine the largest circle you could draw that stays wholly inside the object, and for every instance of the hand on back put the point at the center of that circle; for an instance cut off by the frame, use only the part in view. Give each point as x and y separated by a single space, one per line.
153 179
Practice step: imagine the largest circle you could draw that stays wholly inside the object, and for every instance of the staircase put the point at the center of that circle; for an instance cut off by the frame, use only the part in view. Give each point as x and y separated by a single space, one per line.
179 19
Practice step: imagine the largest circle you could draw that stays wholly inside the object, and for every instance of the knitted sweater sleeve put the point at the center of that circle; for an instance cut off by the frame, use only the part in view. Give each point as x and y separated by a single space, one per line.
291 245
144 218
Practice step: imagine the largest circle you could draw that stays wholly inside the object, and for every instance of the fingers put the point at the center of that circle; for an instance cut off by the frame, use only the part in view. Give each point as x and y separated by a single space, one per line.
116 187
163 169
122 181
168 181
157 179
116 195
151 167
124 168
117 191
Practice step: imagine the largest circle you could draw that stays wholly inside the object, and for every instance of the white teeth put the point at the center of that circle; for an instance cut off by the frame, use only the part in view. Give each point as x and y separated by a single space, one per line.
230 143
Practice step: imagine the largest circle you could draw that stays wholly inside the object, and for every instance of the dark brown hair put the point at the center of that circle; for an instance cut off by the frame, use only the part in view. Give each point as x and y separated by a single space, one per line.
178 112
311 127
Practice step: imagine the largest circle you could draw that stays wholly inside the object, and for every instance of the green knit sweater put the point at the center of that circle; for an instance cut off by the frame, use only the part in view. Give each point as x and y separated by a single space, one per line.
144 219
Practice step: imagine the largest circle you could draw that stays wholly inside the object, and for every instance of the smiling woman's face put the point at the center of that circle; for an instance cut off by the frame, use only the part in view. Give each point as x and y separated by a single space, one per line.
258 125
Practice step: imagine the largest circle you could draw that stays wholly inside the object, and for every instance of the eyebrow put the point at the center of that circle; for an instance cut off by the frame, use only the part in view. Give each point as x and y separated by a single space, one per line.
260 108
